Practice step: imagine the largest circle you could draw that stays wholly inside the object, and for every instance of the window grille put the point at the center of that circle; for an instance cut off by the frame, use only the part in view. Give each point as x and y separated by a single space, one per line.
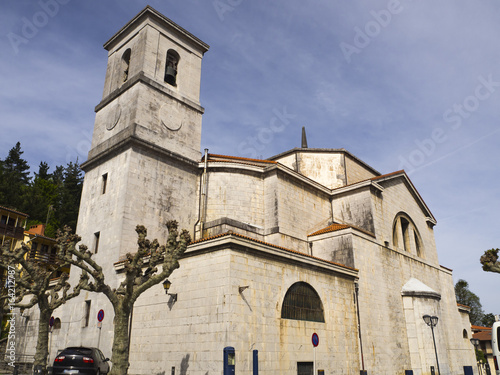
302 303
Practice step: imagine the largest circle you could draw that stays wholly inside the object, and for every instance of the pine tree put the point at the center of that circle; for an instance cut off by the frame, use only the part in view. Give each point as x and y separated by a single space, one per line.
42 196
70 194
14 179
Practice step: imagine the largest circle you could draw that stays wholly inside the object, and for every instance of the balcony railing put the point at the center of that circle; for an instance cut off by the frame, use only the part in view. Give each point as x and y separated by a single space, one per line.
11 231
42 257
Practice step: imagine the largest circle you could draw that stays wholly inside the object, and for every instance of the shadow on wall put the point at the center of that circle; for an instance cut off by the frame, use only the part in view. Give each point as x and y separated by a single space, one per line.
185 364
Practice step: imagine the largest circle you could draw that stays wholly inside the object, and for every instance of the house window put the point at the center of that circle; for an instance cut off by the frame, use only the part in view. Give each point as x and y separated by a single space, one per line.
125 65
86 317
57 323
171 67
97 236
464 333
104 183
301 302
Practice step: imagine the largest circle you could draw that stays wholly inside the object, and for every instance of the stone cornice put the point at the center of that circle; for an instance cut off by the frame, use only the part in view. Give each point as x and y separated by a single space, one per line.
142 78
149 12
126 139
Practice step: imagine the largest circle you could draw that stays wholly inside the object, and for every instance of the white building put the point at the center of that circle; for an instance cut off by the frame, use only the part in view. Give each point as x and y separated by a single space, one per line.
281 246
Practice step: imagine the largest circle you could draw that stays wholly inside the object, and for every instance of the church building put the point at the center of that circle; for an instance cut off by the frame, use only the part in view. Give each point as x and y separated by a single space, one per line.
310 261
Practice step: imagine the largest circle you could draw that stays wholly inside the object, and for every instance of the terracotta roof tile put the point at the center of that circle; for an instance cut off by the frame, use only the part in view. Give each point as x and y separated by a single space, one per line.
481 328
269 244
482 336
238 158
336 226
330 228
387 175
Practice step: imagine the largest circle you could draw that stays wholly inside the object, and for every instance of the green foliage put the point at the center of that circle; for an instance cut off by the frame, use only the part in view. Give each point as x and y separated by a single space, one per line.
14 178
466 297
488 320
48 198
480 356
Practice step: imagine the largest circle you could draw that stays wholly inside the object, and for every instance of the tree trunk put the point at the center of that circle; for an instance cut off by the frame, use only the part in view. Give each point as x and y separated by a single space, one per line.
42 344
120 350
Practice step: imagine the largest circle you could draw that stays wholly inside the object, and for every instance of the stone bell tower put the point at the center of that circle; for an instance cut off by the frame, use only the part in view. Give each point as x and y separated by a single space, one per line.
142 166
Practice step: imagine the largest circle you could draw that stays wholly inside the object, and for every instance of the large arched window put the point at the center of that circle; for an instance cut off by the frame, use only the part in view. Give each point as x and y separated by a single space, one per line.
405 235
302 303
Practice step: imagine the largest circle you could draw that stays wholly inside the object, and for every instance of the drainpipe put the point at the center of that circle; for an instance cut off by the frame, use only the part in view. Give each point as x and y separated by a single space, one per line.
203 201
356 288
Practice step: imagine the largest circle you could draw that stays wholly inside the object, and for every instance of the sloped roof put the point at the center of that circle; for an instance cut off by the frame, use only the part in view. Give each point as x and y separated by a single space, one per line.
13 211
482 335
230 233
325 150
479 328
237 159
417 288
386 177
148 10
331 228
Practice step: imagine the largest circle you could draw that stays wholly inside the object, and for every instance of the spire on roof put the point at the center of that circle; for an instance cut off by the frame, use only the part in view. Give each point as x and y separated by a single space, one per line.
304 138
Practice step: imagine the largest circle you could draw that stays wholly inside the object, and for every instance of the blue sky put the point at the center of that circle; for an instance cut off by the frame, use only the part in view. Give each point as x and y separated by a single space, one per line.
400 84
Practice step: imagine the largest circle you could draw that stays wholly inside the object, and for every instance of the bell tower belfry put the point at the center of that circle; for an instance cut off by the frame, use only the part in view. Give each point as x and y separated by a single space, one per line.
142 167
152 87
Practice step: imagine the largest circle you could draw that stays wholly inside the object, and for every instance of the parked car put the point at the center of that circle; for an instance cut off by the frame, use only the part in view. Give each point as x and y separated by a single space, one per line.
80 360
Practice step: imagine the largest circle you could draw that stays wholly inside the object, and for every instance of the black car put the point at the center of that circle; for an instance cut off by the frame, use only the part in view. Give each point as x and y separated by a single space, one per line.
80 360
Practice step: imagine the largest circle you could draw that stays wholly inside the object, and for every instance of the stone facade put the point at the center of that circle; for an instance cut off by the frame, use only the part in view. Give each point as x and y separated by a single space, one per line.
360 242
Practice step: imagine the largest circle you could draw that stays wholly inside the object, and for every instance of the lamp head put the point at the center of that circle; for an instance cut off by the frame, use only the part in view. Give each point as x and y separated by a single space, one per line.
474 342
166 285
427 319
431 321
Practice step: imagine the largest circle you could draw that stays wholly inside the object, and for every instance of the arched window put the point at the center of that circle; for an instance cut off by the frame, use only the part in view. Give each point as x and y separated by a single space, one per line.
405 230
301 302
405 235
57 323
171 67
125 65
418 245
464 334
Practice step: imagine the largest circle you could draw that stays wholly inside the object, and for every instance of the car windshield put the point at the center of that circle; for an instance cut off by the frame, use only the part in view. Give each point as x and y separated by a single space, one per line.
81 351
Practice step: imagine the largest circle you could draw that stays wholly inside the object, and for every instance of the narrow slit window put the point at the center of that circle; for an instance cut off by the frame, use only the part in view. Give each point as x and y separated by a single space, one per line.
405 229
418 247
97 236
104 183
87 313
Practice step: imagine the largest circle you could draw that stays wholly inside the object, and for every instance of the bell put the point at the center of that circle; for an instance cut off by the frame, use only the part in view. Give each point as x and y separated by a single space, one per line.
170 75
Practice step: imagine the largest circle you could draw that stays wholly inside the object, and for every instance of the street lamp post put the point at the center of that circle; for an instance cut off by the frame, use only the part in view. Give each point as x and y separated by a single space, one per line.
432 321
475 342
